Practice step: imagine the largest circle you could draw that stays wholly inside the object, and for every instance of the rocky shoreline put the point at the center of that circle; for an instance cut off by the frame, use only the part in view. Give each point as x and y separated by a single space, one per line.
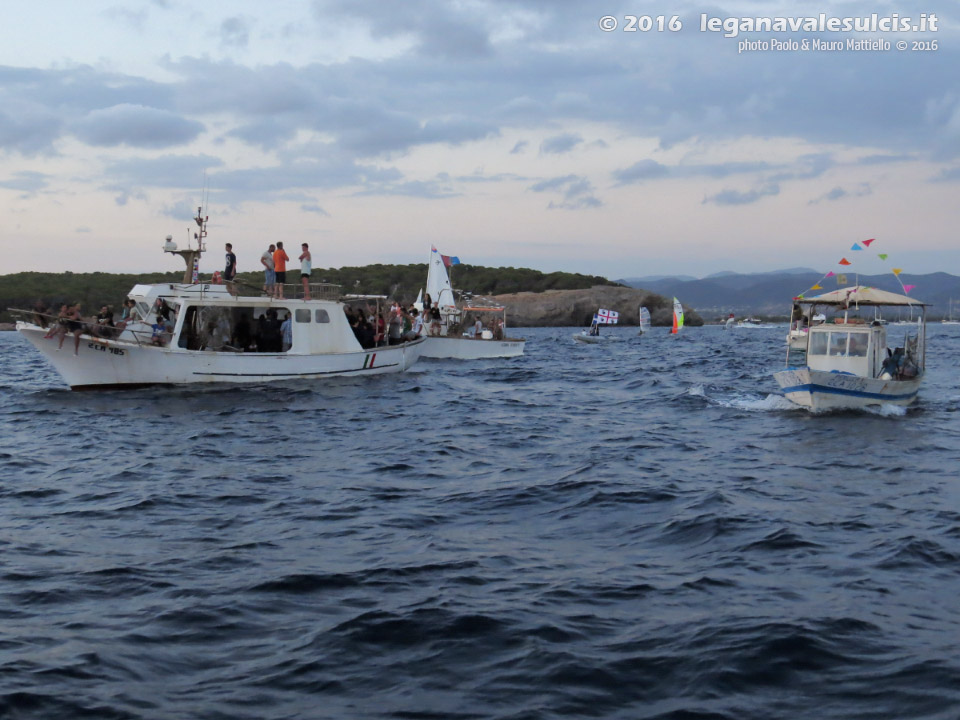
559 308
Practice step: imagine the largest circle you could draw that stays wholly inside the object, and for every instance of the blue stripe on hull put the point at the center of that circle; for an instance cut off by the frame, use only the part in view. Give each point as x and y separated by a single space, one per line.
826 390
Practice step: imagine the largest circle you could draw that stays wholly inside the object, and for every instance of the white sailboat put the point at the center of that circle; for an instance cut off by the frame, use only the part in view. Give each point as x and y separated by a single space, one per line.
848 361
465 332
949 319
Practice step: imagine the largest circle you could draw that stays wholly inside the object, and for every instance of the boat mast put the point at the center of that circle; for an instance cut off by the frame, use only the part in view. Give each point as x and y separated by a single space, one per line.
191 256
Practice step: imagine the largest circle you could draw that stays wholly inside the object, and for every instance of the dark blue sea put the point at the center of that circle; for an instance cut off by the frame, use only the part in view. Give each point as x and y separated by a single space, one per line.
638 529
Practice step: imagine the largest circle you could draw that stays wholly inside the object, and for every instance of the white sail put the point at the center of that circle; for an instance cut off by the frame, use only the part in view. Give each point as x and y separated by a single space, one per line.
438 282
677 317
644 319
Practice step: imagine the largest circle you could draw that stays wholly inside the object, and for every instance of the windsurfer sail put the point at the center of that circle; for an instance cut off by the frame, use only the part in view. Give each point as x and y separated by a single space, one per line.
644 319
677 317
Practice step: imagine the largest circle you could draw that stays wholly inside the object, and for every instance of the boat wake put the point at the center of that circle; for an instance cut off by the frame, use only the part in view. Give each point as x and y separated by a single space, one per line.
741 401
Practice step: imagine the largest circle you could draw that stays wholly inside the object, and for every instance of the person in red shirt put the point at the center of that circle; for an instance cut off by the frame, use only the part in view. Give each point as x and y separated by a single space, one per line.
280 259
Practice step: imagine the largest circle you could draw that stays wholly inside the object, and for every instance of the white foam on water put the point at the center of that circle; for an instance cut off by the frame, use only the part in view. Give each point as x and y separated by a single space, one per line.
887 410
769 403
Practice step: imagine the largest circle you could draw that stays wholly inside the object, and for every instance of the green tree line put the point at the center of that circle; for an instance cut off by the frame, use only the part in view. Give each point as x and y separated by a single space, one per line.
402 282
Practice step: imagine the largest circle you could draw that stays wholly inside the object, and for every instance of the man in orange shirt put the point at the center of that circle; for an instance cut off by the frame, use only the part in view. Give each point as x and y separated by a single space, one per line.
280 259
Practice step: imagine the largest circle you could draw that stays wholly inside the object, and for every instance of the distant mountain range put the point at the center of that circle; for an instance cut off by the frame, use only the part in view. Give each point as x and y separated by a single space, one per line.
770 293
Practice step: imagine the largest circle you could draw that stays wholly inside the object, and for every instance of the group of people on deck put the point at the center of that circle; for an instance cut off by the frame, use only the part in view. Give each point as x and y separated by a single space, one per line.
69 320
274 261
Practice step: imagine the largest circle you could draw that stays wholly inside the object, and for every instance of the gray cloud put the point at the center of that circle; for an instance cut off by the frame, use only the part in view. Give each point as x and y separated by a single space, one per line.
559 144
235 32
520 147
838 193
646 169
26 181
577 192
438 29
735 197
136 126
168 171
947 175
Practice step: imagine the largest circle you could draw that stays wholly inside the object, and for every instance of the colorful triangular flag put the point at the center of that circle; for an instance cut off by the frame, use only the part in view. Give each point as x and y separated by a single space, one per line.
882 256
908 288
856 247
897 271
829 274
867 242
816 287
844 261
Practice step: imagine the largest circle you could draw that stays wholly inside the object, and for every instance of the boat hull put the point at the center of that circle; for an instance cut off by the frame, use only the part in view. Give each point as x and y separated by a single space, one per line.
588 339
453 348
101 364
823 390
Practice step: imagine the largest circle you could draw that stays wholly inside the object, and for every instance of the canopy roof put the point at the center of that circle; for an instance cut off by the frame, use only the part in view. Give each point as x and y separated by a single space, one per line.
483 308
858 295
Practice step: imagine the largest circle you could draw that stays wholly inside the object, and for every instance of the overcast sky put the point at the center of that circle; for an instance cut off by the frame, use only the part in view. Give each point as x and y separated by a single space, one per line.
506 132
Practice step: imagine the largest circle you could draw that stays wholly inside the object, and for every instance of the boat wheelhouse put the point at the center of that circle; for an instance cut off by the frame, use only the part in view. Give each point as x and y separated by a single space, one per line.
850 362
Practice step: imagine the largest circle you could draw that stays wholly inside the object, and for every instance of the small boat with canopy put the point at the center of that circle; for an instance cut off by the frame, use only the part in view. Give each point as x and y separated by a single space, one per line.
851 362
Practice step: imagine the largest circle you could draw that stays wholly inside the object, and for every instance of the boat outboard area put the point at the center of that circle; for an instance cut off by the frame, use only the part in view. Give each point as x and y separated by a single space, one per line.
851 358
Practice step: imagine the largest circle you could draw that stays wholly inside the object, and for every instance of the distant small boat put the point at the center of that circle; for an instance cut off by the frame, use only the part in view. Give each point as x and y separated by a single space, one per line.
592 334
677 317
755 324
586 337
729 323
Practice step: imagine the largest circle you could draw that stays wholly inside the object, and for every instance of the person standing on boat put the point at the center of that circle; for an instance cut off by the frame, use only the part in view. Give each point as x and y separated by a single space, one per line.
280 259
269 276
230 271
305 267
286 331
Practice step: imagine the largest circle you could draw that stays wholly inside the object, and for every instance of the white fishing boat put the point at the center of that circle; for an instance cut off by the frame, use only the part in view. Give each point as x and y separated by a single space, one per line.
849 363
213 333
729 322
468 331
677 317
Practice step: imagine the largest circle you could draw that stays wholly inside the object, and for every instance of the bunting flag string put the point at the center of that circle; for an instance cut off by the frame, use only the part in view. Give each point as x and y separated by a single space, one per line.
842 278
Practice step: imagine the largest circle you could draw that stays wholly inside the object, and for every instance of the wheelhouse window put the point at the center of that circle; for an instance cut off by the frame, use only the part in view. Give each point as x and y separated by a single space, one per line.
215 328
818 343
322 316
838 344
301 315
858 345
